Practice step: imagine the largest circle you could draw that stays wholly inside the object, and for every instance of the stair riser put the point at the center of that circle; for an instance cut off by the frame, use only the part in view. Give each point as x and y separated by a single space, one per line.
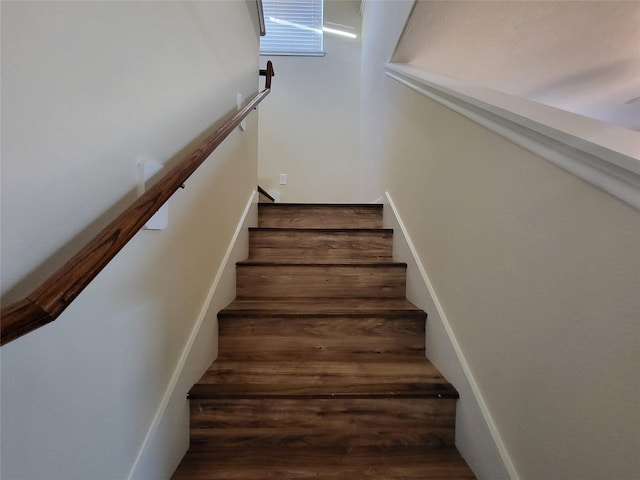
322 246
321 338
292 348
322 422
382 281
315 216
315 373
338 326
204 441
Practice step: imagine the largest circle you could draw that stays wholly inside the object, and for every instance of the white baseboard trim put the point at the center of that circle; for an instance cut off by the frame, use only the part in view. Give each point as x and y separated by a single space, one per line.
488 419
192 337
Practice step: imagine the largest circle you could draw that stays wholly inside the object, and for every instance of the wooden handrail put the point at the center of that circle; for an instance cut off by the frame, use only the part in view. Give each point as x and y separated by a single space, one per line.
262 191
55 294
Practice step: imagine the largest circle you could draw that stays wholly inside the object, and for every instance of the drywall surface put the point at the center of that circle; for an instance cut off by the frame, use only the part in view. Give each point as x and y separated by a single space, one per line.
310 128
88 88
383 23
583 57
159 454
538 273
474 437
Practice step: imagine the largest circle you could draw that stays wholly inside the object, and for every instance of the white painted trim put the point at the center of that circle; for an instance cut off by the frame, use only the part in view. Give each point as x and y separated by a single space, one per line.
604 155
192 337
502 450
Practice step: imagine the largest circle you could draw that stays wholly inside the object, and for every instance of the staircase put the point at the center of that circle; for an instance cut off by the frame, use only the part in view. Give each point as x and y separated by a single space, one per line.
321 370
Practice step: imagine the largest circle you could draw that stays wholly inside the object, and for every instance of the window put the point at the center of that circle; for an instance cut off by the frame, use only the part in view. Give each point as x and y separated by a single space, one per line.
294 27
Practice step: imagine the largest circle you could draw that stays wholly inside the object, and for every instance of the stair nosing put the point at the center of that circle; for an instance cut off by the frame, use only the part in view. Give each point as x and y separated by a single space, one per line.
253 263
216 391
375 206
321 229
256 313
339 306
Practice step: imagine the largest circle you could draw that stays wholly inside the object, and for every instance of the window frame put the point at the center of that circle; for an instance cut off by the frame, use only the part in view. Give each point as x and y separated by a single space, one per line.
310 22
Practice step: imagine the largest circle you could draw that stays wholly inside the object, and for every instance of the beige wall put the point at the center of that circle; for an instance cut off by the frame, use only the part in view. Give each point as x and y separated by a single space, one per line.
531 278
310 128
538 274
383 24
87 89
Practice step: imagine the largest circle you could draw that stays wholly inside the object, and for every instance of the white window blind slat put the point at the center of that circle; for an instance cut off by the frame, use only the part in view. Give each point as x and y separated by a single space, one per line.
293 27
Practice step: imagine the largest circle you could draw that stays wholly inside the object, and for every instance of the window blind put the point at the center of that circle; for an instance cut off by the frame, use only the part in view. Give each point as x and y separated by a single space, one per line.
294 27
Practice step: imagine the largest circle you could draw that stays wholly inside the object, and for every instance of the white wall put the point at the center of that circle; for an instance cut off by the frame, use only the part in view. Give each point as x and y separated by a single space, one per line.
87 89
310 128
537 274
383 24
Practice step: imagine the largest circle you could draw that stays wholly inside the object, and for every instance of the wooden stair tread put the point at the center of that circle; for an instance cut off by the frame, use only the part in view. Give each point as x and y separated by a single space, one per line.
325 462
365 264
349 206
321 306
420 366
302 391
318 230
318 261
324 374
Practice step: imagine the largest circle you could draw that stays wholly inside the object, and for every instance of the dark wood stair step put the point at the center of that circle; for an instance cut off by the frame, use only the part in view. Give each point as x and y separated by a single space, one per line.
290 245
287 463
311 215
306 391
323 374
341 410
322 422
322 403
332 327
270 279
321 307
321 338
206 439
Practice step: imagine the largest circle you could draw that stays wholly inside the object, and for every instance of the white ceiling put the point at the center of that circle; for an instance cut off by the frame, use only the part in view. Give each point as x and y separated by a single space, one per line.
580 56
